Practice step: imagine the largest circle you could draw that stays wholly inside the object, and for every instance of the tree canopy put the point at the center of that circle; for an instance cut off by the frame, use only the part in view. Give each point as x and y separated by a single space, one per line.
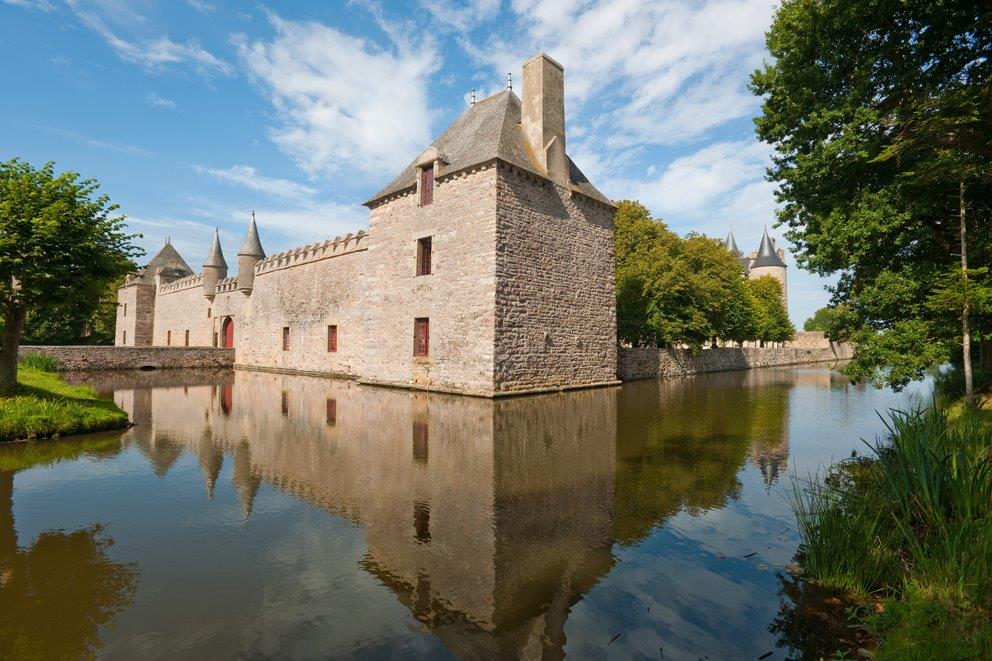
880 113
674 291
61 246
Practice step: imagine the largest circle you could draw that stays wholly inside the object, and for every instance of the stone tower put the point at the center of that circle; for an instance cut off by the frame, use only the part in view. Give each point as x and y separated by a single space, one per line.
249 254
214 268
770 261
136 298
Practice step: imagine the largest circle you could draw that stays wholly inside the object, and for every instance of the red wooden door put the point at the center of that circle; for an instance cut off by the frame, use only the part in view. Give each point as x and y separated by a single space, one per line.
228 333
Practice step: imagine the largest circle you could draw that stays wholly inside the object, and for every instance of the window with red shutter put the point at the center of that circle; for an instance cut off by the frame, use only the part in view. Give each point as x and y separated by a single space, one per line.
421 336
424 249
332 339
427 185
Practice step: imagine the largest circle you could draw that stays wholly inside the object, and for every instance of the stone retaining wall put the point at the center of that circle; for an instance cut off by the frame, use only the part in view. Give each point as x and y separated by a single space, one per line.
649 363
123 358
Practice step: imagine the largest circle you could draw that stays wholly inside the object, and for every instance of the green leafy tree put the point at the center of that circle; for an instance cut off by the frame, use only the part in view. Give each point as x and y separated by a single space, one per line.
830 320
673 291
881 115
60 248
771 320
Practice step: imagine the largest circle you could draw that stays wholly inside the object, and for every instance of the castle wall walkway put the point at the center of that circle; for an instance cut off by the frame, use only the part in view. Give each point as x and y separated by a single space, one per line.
85 358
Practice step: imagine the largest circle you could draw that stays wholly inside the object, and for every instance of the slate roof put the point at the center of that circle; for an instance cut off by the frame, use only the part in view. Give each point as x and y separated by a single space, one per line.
731 244
252 247
167 258
766 254
216 256
489 129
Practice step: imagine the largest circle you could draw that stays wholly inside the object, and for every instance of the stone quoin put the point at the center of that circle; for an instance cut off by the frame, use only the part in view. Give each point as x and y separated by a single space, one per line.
487 269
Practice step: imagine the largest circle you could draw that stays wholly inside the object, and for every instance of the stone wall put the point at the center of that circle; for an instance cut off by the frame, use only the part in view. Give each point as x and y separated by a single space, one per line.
123 358
457 297
135 315
650 363
555 301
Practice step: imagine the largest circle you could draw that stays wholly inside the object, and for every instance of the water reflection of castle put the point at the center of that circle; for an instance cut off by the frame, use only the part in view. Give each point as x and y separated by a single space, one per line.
487 519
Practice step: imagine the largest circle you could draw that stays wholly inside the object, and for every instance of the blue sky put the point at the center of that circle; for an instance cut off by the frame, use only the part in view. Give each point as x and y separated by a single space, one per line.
192 113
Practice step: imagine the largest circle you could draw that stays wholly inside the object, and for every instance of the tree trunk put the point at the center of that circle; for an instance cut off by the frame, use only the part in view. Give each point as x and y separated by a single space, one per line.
969 386
13 324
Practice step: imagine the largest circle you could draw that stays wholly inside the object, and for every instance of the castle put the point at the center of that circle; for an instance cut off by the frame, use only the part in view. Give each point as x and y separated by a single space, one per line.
487 269
766 260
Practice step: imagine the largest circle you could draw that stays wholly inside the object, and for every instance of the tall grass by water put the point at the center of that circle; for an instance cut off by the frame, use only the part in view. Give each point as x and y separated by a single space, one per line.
910 524
45 405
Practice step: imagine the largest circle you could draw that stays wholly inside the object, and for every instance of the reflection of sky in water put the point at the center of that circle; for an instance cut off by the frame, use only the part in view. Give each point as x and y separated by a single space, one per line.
422 525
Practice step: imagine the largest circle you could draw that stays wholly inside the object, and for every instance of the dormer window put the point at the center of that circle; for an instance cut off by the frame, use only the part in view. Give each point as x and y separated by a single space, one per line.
426 185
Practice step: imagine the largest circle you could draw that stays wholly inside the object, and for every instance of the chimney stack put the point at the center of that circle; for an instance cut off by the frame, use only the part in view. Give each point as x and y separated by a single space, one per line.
543 115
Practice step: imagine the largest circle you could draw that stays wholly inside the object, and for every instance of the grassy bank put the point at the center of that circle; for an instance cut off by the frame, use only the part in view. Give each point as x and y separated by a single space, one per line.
906 532
46 405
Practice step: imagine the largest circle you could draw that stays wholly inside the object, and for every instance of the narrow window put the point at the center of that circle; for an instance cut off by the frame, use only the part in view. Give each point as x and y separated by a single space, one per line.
427 185
284 404
422 522
187 338
420 443
285 338
209 312
168 338
332 339
124 341
421 336
332 412
215 338
424 256
125 309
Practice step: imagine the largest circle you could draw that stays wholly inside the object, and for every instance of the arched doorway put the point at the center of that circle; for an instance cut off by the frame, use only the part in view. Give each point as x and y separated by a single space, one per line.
227 333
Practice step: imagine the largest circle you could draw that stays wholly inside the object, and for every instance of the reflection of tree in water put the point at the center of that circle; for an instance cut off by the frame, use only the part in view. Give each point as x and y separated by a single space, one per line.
681 444
57 593
812 622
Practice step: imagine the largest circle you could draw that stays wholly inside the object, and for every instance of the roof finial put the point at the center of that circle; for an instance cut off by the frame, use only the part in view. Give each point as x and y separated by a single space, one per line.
253 215
473 96
509 81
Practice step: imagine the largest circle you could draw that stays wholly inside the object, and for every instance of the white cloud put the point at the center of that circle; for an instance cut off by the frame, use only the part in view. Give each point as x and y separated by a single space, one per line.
108 145
42 5
202 6
344 101
151 52
247 176
155 101
465 15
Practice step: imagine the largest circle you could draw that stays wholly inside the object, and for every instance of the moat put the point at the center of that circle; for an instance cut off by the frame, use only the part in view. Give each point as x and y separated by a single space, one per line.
257 515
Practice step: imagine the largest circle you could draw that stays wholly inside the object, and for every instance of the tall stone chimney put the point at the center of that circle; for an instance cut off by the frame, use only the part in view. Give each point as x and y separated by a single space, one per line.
543 115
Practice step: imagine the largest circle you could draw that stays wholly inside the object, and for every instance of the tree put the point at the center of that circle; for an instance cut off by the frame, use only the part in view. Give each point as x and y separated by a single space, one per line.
673 291
830 320
75 325
60 247
771 320
881 115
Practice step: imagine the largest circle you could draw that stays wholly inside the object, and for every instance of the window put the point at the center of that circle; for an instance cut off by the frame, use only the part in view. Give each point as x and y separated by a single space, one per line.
125 309
424 256
285 338
284 404
209 312
215 338
332 412
420 436
427 185
168 338
124 341
187 338
422 522
421 336
332 339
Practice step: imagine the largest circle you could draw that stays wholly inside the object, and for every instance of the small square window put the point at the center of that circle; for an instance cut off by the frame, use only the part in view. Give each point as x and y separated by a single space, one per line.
424 248
332 339
427 185
285 338
421 336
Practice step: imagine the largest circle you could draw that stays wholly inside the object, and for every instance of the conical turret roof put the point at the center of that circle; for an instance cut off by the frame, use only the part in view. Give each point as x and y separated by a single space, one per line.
252 247
168 258
731 244
216 256
766 254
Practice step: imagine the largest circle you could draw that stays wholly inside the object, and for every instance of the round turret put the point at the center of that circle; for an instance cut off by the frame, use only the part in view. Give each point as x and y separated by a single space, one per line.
249 255
770 261
214 268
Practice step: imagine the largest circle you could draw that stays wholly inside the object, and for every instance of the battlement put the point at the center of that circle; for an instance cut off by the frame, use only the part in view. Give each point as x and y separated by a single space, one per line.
189 282
314 252
227 285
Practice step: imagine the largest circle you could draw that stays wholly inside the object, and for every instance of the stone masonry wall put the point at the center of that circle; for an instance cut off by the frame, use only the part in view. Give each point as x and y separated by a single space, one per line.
122 358
555 301
457 297
650 363
135 315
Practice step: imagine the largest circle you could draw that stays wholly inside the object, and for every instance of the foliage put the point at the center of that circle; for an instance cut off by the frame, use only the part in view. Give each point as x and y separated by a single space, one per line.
60 247
912 522
47 405
40 362
880 113
75 326
830 320
674 291
771 320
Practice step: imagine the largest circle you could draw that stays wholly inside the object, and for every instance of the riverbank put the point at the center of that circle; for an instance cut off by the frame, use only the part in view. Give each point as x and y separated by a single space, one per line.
905 534
47 406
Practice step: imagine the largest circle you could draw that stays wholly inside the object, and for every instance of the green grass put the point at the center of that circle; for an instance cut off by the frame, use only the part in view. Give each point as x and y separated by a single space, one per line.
911 524
39 362
46 405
